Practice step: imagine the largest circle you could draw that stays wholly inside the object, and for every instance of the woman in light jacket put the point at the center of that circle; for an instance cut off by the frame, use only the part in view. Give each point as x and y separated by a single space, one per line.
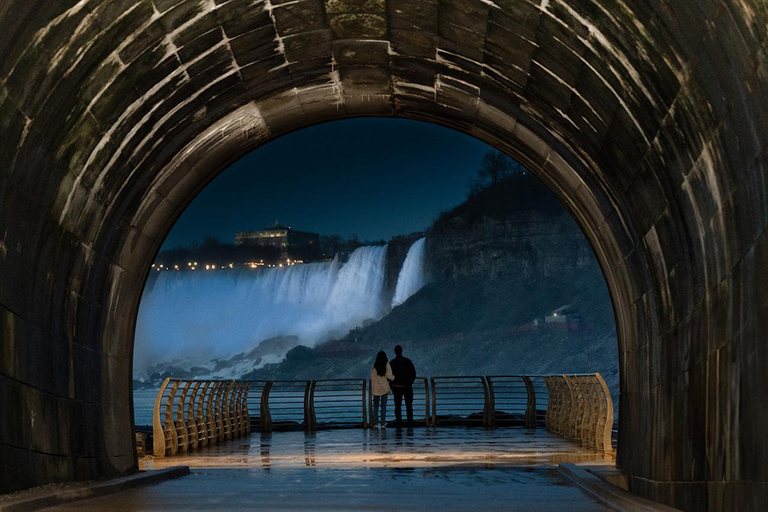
381 374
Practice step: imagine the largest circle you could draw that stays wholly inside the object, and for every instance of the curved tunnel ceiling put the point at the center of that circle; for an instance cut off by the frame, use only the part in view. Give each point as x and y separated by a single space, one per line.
643 117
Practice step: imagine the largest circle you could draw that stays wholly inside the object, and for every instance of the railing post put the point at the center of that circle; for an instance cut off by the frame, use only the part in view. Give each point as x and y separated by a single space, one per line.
310 421
218 407
567 409
434 402
245 413
564 405
530 406
211 412
554 404
578 405
158 432
598 413
594 411
202 426
266 416
234 417
172 439
211 407
236 409
586 417
181 422
426 401
489 409
234 420
213 403
557 411
550 404
369 400
230 425
604 431
240 408
223 420
365 408
226 406
192 417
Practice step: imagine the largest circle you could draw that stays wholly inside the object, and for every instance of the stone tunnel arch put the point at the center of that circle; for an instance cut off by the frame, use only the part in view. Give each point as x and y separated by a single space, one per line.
643 119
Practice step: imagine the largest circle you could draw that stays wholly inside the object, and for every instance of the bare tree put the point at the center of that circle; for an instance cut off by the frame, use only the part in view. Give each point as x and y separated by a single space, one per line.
496 166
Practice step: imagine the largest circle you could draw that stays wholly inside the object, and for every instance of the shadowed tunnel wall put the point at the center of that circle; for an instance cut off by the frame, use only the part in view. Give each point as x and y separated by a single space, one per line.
646 118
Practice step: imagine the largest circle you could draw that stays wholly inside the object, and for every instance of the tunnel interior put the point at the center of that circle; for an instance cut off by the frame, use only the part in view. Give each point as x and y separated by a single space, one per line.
642 119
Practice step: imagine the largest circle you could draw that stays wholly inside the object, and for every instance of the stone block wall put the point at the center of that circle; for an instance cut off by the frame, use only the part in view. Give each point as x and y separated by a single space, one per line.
645 118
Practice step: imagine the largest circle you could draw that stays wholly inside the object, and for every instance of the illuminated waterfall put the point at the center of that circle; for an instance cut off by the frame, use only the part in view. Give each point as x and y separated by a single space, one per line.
206 314
412 276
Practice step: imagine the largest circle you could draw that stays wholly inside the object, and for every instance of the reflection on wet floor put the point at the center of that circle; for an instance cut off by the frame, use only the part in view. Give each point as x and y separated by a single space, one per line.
448 489
389 448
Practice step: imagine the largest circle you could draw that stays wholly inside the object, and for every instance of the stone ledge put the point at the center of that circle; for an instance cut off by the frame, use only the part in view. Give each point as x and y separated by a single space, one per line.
37 499
609 495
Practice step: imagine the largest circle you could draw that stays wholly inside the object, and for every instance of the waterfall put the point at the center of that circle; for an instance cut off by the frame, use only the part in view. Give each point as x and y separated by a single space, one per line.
220 313
412 276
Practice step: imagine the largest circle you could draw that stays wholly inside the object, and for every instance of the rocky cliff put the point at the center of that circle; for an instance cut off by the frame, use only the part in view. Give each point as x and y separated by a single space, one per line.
526 244
496 265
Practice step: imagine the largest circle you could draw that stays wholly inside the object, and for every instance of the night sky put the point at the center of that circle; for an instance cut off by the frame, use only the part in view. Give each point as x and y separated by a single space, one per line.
375 178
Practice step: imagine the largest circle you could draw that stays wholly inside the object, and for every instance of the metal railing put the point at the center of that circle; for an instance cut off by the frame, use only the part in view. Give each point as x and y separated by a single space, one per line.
338 403
255 406
541 397
190 414
285 405
581 408
513 400
461 400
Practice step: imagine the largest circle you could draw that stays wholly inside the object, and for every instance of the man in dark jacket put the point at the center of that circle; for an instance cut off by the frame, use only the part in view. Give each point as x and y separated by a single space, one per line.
402 386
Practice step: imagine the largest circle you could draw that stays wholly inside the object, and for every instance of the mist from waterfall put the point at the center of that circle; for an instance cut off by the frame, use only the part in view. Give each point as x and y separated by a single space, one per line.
203 315
412 275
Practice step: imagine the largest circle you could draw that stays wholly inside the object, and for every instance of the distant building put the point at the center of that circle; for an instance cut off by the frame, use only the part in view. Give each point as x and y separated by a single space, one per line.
559 316
292 244
563 318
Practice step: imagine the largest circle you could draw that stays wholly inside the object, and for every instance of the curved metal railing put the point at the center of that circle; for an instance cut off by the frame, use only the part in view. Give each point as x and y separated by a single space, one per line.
513 400
285 405
191 414
581 408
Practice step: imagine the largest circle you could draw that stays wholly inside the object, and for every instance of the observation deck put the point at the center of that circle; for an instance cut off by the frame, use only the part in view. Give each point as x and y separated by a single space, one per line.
450 468
490 442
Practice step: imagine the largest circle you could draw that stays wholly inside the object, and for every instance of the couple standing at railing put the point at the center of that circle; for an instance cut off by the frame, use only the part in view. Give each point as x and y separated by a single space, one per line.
395 377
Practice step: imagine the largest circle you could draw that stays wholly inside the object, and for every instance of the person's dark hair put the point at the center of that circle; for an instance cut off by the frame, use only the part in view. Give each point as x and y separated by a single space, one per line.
398 350
381 363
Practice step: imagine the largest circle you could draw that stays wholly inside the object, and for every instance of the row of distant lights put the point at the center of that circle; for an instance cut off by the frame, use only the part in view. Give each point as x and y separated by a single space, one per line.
253 264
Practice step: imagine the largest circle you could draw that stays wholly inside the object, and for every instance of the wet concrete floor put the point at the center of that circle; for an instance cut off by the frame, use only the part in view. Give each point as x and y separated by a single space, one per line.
448 469
444 489
389 448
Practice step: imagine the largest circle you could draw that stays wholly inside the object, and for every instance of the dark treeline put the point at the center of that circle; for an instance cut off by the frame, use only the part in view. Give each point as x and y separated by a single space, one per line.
213 251
502 188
